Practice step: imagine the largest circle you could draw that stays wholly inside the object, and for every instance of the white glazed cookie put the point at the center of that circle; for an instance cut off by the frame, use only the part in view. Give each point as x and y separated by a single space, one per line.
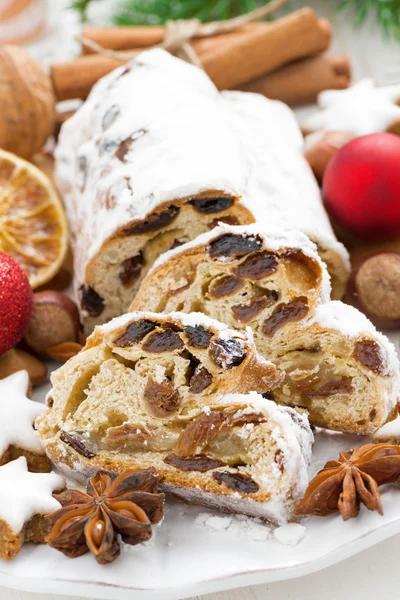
25 500
362 109
156 390
141 177
389 433
338 367
17 418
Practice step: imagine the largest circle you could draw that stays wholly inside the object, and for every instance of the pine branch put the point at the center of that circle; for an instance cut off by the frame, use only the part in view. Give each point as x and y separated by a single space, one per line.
387 13
81 6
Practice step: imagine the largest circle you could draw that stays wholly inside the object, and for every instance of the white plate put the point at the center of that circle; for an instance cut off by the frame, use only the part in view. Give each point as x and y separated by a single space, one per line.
185 558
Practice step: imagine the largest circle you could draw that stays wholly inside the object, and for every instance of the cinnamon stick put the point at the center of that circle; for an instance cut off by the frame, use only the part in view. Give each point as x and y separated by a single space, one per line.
123 38
229 59
302 81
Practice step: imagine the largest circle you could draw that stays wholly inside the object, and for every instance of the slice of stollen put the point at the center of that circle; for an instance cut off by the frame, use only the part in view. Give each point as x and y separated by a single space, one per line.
156 390
338 367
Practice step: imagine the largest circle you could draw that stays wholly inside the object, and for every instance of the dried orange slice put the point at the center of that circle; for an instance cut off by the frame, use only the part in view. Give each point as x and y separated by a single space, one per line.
33 227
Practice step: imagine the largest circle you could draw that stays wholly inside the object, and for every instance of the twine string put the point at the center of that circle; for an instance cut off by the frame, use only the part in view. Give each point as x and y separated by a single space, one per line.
178 34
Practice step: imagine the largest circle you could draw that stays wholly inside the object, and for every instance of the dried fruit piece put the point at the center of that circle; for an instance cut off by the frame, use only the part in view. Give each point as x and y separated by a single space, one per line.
193 463
128 434
162 398
233 246
207 206
134 333
258 266
247 312
76 442
199 433
284 313
227 353
33 227
237 482
163 341
155 222
91 301
198 337
131 269
200 380
314 389
226 286
369 354
125 146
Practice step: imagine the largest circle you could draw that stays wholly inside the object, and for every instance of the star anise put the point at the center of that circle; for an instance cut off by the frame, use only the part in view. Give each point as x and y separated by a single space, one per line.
351 479
127 504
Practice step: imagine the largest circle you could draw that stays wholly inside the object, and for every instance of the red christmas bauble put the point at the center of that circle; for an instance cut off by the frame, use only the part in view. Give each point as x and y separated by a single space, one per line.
16 302
361 186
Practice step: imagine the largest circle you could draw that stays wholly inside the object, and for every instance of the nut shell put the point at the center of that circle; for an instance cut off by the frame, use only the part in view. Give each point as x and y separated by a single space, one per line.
321 147
54 320
374 288
27 102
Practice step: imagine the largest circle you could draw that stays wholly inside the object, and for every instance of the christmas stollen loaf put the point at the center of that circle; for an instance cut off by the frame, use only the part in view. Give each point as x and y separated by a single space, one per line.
157 156
338 367
156 390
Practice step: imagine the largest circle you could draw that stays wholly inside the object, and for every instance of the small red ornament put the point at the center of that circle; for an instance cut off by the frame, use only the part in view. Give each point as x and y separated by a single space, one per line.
361 186
16 302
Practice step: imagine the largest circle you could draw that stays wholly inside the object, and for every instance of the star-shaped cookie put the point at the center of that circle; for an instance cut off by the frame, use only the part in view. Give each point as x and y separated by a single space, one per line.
362 109
25 499
17 417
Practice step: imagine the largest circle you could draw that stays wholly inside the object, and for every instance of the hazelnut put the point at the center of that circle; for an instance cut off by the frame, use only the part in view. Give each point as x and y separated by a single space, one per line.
374 288
55 319
321 146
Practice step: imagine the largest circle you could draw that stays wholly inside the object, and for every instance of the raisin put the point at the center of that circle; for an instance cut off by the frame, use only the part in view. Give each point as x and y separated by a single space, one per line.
372 415
247 312
226 286
227 353
199 433
200 380
233 246
162 398
131 269
163 341
193 463
237 482
268 395
198 337
284 313
76 442
228 219
125 146
110 117
208 206
134 333
369 354
311 389
91 302
155 222
258 266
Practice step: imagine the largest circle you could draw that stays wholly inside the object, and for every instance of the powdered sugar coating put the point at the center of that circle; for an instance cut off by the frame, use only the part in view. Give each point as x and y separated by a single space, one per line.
18 414
186 138
24 494
361 109
390 432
